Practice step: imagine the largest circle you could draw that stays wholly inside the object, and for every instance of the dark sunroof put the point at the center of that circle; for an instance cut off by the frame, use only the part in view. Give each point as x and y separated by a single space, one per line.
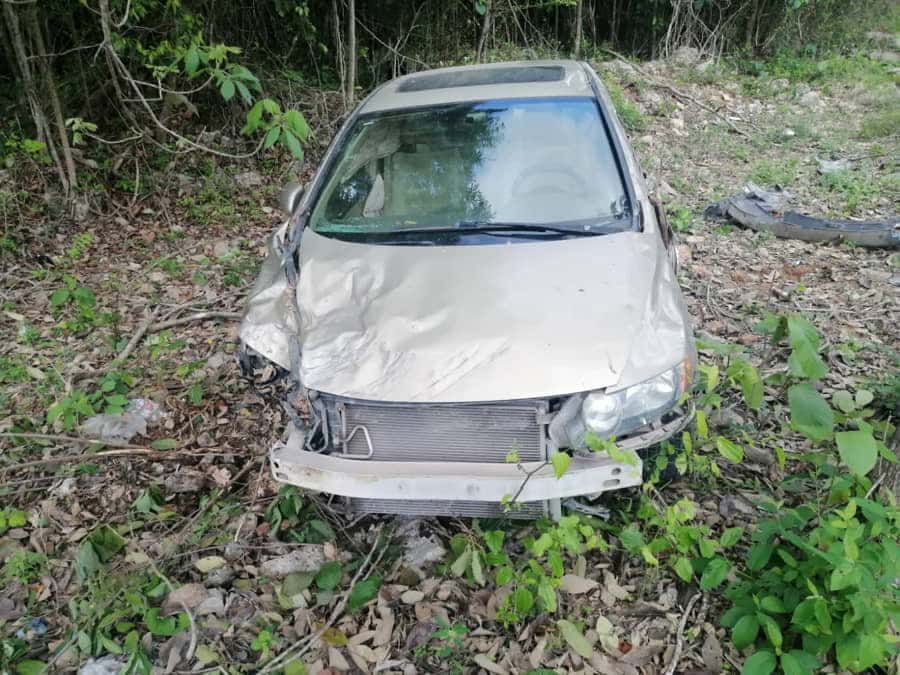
478 76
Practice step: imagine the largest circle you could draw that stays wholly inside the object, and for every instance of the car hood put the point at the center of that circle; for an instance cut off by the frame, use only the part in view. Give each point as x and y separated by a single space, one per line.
474 323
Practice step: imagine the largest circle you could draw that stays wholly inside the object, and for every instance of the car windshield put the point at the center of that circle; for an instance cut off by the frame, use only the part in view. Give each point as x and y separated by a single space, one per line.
529 162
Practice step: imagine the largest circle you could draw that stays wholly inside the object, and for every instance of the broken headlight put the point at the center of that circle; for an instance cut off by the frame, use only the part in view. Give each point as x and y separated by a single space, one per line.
610 414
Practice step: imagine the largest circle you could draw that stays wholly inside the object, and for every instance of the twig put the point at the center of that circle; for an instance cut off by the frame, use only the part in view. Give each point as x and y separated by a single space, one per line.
72 439
528 475
875 486
301 647
200 316
134 341
679 643
146 453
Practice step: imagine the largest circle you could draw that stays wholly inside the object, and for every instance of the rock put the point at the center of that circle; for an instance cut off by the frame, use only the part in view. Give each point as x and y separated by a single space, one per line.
411 597
214 604
221 576
209 563
827 166
308 558
810 99
185 481
7 548
711 652
703 66
686 55
224 248
881 55
725 417
779 84
788 133
233 551
249 179
189 595
677 123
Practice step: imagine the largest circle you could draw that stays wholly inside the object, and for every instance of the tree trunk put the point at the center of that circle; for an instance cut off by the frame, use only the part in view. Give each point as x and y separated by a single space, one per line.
351 51
339 50
576 52
485 29
42 127
53 95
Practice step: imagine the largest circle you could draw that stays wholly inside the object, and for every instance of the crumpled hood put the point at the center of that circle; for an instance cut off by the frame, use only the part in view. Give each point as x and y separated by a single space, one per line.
474 323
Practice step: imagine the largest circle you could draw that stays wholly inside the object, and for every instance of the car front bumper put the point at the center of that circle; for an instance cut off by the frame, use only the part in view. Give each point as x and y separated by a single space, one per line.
496 482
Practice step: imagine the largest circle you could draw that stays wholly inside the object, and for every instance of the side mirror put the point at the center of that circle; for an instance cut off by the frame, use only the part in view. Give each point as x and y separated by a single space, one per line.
290 197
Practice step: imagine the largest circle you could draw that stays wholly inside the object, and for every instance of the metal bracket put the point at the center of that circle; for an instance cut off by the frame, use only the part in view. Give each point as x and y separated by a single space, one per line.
345 438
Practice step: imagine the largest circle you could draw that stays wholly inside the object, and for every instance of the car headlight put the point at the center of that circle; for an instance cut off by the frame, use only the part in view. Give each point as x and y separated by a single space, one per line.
620 412
614 414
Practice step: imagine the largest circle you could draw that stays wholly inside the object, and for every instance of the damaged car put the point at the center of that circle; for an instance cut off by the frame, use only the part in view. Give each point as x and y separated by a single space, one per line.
475 279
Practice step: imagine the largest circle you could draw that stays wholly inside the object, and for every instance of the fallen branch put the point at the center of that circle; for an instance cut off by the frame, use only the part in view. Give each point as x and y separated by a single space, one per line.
200 316
679 641
134 341
144 453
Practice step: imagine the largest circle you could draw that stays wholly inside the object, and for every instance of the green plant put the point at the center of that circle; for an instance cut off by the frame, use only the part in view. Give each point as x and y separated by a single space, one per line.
628 112
820 584
880 124
680 218
11 518
852 187
775 172
70 409
293 519
687 546
25 566
534 578
820 580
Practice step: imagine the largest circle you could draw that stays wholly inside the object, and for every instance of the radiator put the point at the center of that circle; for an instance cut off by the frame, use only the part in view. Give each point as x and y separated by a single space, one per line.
445 432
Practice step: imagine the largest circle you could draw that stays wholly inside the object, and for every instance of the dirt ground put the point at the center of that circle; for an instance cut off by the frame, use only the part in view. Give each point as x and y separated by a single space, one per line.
193 501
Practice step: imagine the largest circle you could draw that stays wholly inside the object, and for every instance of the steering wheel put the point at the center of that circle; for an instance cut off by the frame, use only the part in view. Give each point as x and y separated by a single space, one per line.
568 181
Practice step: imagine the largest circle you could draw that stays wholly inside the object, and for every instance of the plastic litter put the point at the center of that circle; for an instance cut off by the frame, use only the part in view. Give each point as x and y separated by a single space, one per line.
34 628
139 414
108 665
763 210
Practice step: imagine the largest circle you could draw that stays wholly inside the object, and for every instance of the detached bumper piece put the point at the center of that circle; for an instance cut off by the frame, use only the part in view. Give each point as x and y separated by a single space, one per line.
447 488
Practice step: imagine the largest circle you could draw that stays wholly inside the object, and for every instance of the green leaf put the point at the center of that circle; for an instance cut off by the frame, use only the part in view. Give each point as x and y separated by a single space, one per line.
272 136
106 542
810 413
164 627
461 564
731 536
844 401
804 361
503 575
363 592
575 639
297 124
30 667
87 562
871 651
745 631
227 89
547 595
844 575
773 605
758 556
494 540
714 573
59 297
858 450
729 450
791 665
329 576
164 444
560 462
191 60
523 600
290 141
761 663
296 582
683 569
864 397
477 570
772 629
707 547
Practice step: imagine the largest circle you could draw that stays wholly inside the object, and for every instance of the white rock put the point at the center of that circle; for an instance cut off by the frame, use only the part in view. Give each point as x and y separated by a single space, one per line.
308 558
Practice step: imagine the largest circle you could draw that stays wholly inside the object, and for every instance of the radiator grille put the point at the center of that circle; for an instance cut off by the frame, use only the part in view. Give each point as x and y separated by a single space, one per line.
449 433
459 509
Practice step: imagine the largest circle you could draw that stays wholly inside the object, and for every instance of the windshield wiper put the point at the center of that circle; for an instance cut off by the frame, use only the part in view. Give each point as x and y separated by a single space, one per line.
481 227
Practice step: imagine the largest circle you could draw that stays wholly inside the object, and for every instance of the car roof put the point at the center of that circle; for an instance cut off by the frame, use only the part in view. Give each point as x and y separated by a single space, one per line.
513 79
